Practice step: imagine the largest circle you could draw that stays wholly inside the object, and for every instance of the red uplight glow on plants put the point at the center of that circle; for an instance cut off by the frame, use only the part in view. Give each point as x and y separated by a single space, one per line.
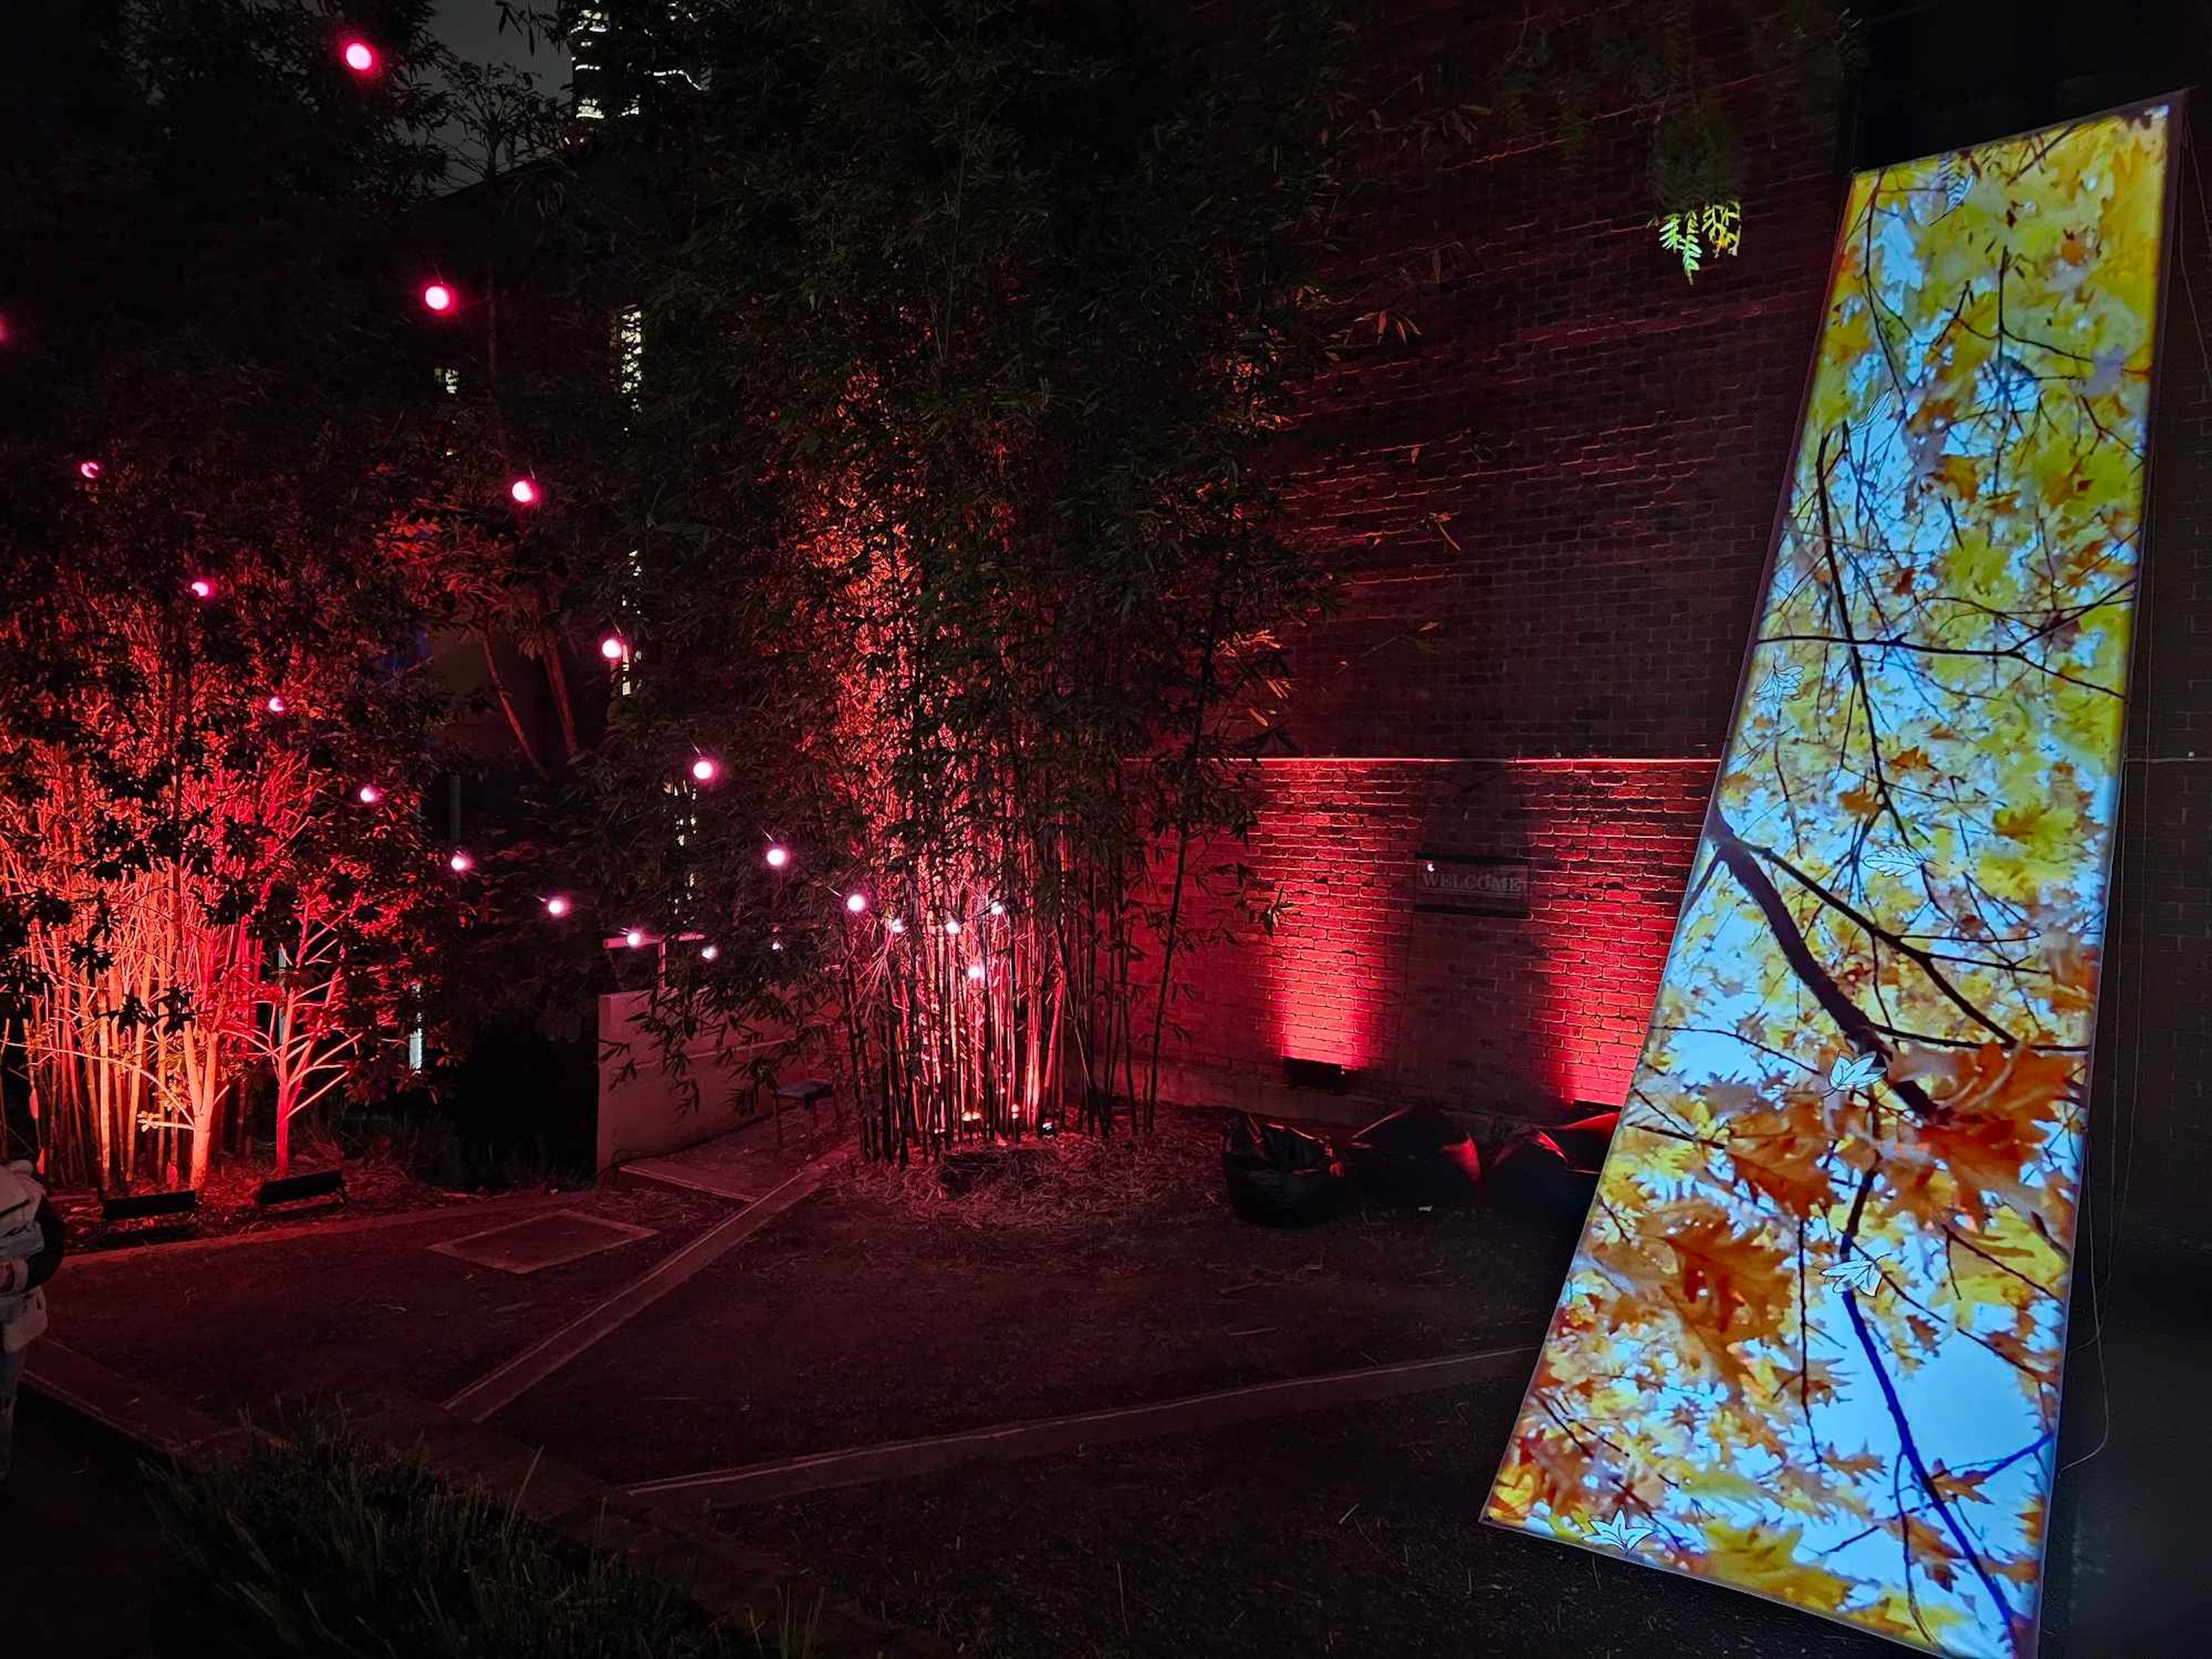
436 296
523 491
360 57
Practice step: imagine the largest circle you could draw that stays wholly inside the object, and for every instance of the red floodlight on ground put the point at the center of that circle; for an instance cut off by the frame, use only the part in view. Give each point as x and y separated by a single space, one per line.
436 296
360 57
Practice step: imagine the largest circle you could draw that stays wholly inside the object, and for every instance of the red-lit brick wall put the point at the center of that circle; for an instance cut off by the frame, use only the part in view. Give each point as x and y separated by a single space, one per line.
1546 517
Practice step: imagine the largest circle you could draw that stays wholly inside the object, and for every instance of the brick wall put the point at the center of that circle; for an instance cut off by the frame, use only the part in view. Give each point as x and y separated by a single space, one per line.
1546 517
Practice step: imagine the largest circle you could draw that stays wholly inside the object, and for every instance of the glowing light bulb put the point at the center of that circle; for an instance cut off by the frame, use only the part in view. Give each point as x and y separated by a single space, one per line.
633 937
976 971
368 795
87 469
777 857
997 909
953 926
705 771
856 904
896 925
459 862
775 944
558 905
708 953
523 491
276 705
200 588
436 296
360 57
612 648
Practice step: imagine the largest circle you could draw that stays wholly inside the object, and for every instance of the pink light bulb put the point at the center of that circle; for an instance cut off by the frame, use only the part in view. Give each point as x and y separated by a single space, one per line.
201 588
436 296
459 862
558 905
778 856
997 909
704 769
952 926
276 705
856 904
976 971
360 57
775 944
633 937
87 469
612 648
896 925
708 953
523 491
368 795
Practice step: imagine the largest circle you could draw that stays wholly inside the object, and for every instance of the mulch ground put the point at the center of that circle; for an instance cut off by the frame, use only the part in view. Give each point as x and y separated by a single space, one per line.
879 1309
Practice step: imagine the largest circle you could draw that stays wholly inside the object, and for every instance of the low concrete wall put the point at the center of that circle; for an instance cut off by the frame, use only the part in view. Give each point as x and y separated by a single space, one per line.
650 1112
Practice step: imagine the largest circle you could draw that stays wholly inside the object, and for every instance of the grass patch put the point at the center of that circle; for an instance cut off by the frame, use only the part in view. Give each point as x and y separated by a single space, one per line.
317 1543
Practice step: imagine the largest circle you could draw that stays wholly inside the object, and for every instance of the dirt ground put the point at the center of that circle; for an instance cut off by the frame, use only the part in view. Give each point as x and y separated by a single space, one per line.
852 1320
1349 1532
230 1330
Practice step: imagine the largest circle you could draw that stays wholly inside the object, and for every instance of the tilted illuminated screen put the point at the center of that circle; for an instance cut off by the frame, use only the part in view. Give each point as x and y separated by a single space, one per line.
1811 1340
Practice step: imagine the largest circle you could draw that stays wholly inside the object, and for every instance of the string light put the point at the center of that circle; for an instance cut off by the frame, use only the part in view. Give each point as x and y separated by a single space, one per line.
705 770
613 648
997 909
360 57
87 469
976 971
896 925
777 856
436 296
276 705
459 862
558 905
633 937
200 588
368 795
855 903
953 926
708 953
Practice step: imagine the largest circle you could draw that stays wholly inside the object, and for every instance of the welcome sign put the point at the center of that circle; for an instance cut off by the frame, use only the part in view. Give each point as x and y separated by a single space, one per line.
1810 1343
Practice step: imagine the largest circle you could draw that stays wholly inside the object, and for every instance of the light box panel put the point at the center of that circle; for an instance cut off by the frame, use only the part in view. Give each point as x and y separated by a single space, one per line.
1811 1341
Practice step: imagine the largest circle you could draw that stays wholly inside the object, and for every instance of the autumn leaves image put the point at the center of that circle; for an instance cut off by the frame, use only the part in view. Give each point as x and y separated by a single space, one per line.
1810 1345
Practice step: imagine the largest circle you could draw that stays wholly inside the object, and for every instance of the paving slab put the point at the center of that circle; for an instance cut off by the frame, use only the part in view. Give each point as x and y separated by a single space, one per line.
540 1242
